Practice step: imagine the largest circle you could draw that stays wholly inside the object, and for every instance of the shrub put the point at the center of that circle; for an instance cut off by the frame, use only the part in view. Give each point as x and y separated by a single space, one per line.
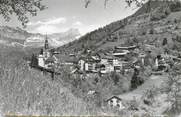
151 31
173 89
174 7
143 33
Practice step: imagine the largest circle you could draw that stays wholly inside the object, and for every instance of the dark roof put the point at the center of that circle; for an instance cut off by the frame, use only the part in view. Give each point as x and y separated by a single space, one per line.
50 59
71 60
113 97
107 56
88 58
68 59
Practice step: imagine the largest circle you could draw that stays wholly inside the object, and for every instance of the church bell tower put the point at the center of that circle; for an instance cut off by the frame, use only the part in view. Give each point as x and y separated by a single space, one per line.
46 46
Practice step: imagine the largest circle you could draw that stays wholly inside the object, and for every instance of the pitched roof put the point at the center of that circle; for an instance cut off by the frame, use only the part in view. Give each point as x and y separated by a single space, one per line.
72 60
113 97
50 59
106 56
126 47
89 58
120 52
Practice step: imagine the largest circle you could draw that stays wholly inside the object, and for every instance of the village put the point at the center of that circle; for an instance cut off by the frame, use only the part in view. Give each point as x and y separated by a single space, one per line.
125 60
90 57
122 60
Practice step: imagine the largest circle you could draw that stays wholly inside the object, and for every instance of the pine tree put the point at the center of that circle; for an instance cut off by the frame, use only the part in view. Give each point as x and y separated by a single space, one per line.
34 61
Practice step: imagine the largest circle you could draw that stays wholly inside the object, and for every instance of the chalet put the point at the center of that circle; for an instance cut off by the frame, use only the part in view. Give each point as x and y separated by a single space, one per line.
118 65
107 62
115 102
88 63
107 67
126 66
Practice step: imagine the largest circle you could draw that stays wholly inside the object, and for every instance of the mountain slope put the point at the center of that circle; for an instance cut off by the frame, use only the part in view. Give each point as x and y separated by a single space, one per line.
138 26
18 37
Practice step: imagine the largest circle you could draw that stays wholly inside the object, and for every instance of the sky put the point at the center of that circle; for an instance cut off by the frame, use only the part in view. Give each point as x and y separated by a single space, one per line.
63 15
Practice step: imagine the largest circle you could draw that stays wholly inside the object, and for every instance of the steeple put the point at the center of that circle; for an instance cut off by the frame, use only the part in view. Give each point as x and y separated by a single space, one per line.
46 46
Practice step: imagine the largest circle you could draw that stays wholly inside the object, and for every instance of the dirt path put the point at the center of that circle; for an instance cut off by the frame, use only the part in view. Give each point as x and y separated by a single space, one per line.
155 81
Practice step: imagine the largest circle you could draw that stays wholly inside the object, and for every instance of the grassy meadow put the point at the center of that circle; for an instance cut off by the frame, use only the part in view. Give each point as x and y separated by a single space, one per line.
27 91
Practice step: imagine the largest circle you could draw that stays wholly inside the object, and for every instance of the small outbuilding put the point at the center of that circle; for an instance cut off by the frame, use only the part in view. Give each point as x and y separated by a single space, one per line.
115 102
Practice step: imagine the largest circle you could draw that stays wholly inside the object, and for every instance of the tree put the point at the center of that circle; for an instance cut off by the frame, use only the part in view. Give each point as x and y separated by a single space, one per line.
138 3
20 8
34 61
164 42
136 79
173 89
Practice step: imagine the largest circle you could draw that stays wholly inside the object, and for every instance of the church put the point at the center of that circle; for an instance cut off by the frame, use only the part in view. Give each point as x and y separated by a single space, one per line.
46 58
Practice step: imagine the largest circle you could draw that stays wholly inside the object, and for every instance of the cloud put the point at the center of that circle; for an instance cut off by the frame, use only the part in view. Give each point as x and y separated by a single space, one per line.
51 21
57 25
77 23
48 29
47 26
84 28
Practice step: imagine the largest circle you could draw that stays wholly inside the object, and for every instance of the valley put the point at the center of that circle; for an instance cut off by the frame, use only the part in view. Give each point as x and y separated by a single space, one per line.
130 67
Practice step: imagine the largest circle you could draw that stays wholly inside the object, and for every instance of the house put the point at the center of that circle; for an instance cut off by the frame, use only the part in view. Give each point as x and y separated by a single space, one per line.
111 63
117 64
115 102
102 68
41 62
108 67
50 62
107 62
71 61
88 63
127 66
160 63
81 63
141 57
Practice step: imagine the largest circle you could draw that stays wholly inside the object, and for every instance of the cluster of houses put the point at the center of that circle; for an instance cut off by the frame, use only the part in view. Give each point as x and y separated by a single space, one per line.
119 60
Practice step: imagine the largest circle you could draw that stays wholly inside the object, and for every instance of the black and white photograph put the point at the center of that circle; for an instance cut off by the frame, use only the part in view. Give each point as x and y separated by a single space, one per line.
90 58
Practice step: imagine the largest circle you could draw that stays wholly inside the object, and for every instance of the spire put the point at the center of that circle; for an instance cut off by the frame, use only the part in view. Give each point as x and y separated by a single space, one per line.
46 42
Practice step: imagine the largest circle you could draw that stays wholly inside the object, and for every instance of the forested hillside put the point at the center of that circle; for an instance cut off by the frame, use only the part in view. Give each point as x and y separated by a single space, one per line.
149 17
